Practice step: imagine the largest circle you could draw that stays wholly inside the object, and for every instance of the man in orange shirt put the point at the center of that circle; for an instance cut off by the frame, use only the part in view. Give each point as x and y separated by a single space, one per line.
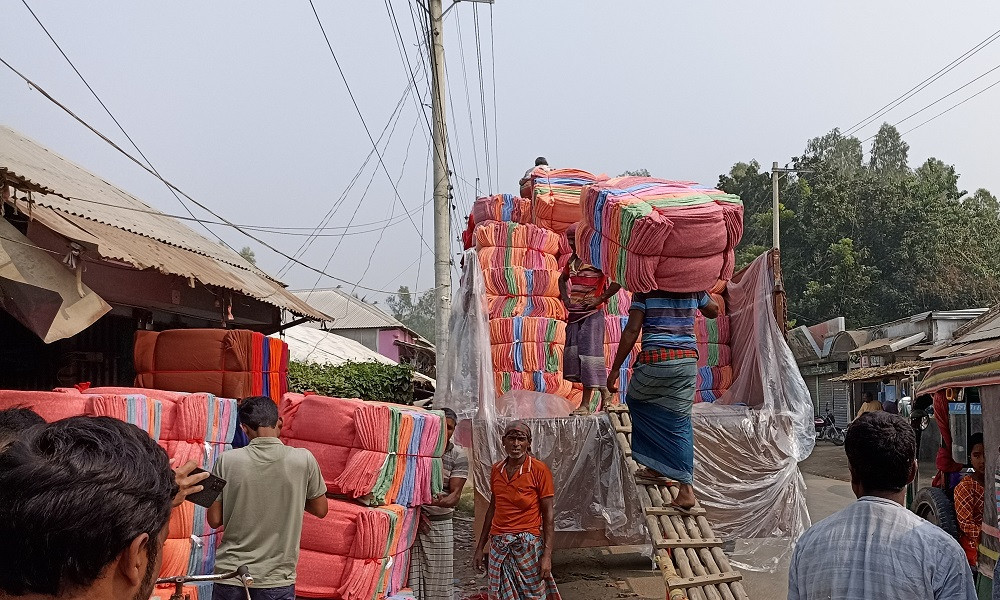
519 524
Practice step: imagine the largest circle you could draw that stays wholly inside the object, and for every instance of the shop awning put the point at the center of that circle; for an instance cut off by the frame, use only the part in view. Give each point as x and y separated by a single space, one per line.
41 292
889 345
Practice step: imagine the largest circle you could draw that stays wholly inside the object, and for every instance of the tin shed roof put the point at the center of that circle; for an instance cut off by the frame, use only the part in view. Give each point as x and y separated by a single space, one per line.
84 207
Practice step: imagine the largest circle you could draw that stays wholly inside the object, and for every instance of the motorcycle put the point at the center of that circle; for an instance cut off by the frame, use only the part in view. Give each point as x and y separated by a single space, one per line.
827 429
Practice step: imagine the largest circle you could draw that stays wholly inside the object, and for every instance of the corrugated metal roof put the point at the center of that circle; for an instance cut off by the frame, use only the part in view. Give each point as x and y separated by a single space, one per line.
80 205
308 344
347 311
885 371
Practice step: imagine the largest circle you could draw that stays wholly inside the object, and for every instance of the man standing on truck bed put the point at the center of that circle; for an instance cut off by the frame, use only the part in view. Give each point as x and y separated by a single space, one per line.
268 485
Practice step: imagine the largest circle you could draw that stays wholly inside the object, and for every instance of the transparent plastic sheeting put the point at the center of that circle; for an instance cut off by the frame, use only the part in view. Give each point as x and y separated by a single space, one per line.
465 382
747 445
594 492
588 468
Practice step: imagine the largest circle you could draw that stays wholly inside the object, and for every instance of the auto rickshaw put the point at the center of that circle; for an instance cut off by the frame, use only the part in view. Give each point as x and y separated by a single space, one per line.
966 400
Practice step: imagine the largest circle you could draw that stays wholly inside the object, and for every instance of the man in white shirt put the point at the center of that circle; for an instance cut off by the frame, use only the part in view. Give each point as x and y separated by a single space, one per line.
875 549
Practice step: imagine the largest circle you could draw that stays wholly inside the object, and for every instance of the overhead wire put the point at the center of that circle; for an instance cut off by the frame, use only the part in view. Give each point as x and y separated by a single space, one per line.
923 84
946 111
948 95
482 96
468 95
115 119
496 132
200 205
364 123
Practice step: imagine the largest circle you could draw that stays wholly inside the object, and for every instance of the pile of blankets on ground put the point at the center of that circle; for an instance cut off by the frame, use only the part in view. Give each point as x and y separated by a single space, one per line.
555 196
188 426
380 462
650 234
357 552
715 371
228 363
526 314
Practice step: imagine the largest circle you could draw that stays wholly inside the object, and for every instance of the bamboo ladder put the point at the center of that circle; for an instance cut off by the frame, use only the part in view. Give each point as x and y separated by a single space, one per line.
689 555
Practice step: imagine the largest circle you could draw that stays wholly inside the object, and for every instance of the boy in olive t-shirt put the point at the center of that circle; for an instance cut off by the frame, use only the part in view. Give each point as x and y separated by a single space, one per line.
268 485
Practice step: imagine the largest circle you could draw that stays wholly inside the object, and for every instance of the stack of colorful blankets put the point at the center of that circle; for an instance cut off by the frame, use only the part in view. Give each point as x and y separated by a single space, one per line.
555 196
650 234
715 360
527 315
227 363
381 462
373 452
502 207
356 552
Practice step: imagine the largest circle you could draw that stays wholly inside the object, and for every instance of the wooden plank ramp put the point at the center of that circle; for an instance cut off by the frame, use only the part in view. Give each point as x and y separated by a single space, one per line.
688 552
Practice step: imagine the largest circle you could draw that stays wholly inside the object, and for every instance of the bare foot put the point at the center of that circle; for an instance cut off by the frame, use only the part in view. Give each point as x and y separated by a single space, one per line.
685 496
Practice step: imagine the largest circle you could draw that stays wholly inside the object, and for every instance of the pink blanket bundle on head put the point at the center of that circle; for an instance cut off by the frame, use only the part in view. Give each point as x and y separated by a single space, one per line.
652 234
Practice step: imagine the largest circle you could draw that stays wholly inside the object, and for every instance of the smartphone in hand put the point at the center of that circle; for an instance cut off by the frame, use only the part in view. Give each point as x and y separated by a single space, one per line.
212 488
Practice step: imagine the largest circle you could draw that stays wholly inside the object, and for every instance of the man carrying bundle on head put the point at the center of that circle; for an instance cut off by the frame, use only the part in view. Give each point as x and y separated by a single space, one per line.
661 392
584 290
519 526
539 162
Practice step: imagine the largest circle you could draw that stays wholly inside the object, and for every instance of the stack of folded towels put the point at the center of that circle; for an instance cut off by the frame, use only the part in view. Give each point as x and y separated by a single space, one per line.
555 196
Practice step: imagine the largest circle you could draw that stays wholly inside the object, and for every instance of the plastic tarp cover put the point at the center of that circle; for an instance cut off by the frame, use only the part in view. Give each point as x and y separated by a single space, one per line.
582 452
748 444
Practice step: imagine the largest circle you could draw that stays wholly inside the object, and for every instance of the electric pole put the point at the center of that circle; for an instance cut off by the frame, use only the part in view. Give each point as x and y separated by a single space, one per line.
776 172
442 199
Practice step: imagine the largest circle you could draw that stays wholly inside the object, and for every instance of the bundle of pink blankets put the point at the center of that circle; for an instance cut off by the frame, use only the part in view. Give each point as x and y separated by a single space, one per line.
715 356
377 453
650 234
356 552
502 207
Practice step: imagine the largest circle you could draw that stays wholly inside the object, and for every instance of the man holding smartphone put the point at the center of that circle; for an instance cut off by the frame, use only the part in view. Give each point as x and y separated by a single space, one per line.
267 487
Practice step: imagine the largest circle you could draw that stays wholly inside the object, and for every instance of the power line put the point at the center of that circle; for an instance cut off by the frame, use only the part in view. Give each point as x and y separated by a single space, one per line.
923 84
178 190
468 101
496 132
482 95
946 111
115 119
361 115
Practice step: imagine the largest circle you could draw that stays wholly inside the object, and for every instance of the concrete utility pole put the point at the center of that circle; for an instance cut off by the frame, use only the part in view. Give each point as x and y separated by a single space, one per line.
442 199
776 172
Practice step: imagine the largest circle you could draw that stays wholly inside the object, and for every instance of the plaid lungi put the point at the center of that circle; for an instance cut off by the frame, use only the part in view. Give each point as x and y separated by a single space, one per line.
515 569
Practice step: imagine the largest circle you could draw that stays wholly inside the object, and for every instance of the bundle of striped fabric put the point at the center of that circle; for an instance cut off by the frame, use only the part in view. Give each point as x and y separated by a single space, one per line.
715 371
378 453
356 552
555 196
503 208
649 234
527 315
527 344
615 321
188 426
227 363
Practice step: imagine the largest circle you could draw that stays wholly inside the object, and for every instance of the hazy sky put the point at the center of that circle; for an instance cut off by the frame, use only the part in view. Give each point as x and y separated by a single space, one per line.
240 104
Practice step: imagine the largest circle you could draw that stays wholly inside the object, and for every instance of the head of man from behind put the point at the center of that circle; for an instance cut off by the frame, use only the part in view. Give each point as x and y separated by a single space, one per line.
259 417
14 421
84 506
880 449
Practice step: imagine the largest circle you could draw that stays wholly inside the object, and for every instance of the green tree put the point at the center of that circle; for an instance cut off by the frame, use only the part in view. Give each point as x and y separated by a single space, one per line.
889 154
416 312
248 255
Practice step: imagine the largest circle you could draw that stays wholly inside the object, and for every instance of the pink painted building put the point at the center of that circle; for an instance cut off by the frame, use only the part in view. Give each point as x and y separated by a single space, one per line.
367 324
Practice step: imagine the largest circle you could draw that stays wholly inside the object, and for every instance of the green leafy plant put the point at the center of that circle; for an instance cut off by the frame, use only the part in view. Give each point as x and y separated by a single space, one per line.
366 380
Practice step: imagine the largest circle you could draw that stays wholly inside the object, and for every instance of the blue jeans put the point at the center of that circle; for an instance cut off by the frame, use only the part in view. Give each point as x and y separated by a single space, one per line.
236 592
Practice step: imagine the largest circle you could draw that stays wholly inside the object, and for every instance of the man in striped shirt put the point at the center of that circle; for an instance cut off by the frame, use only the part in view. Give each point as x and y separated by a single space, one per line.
660 394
